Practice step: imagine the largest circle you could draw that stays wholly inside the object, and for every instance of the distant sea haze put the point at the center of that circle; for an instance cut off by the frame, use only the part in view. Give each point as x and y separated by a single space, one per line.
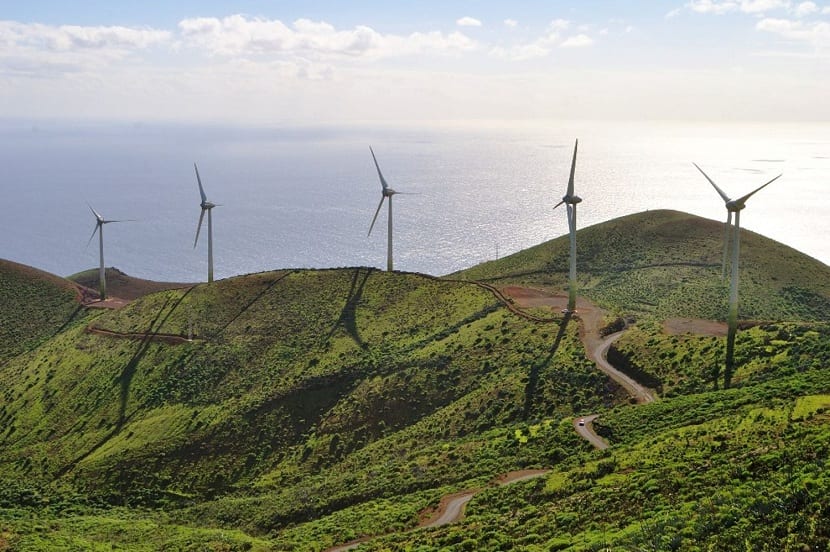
304 197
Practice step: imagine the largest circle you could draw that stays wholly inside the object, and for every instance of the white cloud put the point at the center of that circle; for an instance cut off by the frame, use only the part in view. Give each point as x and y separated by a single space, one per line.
763 6
65 38
578 41
468 22
559 24
710 6
238 35
521 52
805 8
825 9
815 34
511 23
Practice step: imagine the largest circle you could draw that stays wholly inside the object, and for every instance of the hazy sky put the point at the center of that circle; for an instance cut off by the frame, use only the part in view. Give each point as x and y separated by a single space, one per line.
334 61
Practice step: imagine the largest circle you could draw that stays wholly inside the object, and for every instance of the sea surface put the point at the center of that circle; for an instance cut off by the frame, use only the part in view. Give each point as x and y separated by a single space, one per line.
305 196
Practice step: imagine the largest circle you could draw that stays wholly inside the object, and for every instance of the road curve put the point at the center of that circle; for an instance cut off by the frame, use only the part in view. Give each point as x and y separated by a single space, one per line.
599 355
586 431
453 510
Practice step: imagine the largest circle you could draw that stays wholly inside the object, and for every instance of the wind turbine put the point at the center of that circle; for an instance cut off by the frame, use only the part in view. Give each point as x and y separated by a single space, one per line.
385 192
99 227
206 206
733 206
570 200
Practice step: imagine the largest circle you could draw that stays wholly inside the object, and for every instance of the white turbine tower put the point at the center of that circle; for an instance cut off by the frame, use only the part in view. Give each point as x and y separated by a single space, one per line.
206 206
386 192
733 206
99 227
570 200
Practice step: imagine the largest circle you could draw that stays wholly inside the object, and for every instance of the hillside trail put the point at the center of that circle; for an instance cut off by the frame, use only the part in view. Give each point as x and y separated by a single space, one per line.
451 507
590 332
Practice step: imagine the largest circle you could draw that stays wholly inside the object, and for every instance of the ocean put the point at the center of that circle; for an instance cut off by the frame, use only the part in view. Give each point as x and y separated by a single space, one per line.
294 197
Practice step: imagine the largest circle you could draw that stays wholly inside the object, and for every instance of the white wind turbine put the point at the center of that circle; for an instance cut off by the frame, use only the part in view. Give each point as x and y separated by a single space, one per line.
570 200
206 206
386 192
99 227
733 206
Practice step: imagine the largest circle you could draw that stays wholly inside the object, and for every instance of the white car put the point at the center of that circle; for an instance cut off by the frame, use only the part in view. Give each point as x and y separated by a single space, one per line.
581 421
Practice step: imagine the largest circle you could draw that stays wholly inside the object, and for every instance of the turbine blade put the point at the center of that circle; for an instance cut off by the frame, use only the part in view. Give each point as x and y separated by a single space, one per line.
573 169
97 226
376 216
729 218
558 204
94 212
198 228
750 194
712 182
199 180
380 174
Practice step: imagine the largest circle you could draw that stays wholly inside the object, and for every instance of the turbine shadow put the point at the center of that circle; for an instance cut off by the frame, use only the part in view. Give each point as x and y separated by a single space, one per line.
126 377
251 303
348 316
533 378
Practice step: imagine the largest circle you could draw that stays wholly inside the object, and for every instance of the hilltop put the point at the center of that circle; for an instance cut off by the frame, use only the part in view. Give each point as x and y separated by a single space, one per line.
668 264
300 409
122 285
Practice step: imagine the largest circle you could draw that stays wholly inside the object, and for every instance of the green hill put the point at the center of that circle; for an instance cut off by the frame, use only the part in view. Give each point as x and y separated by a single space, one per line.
299 409
34 305
668 264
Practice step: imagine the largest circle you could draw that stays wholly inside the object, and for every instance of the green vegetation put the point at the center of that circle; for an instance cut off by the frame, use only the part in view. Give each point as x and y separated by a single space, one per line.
300 409
667 264
34 306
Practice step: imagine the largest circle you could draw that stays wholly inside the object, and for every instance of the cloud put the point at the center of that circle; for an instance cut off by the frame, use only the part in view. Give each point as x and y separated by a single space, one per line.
35 50
726 6
578 41
468 21
521 52
815 34
710 6
511 23
559 24
237 35
65 38
805 8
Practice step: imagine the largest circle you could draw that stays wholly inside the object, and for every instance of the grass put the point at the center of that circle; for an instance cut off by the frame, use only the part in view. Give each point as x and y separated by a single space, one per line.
36 306
316 406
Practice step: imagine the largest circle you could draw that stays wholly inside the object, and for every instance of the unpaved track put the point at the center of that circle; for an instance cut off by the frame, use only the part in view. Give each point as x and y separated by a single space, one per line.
587 431
451 507
599 355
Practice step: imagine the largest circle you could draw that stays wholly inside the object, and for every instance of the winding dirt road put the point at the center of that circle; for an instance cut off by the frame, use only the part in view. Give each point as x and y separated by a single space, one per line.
451 508
586 431
599 353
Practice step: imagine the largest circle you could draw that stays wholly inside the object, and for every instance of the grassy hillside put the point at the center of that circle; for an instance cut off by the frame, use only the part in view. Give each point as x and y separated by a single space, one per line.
34 305
299 409
668 264
296 388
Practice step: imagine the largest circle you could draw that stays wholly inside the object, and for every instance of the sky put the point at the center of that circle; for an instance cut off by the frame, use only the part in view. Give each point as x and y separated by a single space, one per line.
328 61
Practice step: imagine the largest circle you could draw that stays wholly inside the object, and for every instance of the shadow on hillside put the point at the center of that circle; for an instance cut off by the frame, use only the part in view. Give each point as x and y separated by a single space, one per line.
72 318
251 303
533 379
348 316
127 374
